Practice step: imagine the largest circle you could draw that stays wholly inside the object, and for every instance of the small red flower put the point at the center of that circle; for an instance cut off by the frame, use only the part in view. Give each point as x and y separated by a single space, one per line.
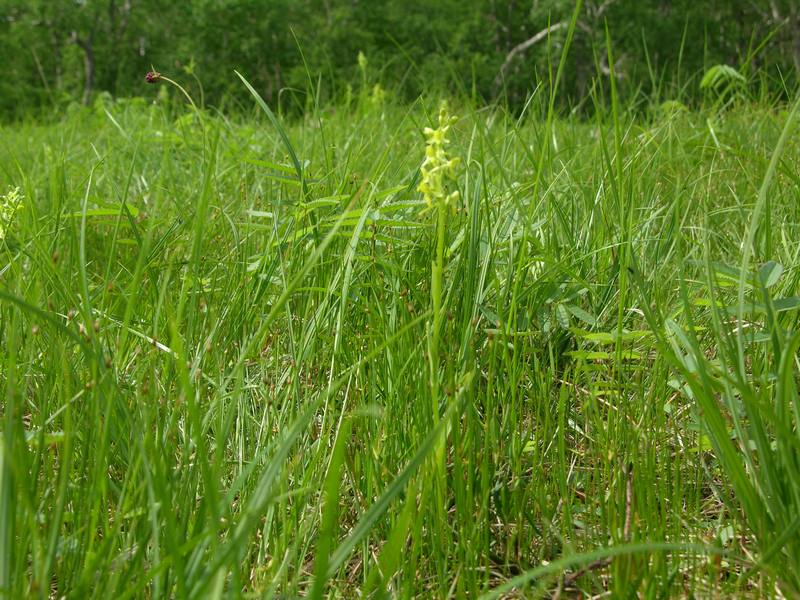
152 76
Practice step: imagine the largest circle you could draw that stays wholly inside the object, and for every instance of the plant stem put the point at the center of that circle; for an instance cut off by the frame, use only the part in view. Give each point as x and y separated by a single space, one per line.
436 293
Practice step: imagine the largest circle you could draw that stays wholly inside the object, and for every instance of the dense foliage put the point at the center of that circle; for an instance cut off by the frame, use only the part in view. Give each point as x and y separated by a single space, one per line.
57 52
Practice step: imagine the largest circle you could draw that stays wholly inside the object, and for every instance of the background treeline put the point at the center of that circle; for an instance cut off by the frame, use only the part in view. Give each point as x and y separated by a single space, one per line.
55 52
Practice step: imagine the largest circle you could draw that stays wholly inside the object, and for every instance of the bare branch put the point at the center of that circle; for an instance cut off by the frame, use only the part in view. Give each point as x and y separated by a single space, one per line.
600 10
522 47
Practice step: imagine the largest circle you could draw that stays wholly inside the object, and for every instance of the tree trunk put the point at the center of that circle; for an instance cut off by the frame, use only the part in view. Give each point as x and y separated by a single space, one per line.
88 66
795 28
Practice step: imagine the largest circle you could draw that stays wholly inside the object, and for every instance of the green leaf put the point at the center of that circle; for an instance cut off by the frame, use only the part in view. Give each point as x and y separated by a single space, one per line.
562 316
770 273
786 304
330 511
581 314
298 167
719 75
110 211
599 355
610 337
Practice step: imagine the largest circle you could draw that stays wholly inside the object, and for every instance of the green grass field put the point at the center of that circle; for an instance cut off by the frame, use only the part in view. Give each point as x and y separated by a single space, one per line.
241 359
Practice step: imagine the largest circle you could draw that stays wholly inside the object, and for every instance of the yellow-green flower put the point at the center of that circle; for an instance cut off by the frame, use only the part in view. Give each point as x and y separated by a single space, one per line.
10 203
438 169
378 95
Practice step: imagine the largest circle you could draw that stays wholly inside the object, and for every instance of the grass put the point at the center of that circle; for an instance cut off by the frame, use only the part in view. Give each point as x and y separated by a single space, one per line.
215 369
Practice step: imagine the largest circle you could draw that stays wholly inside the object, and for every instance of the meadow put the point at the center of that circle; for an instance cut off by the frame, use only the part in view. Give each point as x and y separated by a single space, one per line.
242 355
